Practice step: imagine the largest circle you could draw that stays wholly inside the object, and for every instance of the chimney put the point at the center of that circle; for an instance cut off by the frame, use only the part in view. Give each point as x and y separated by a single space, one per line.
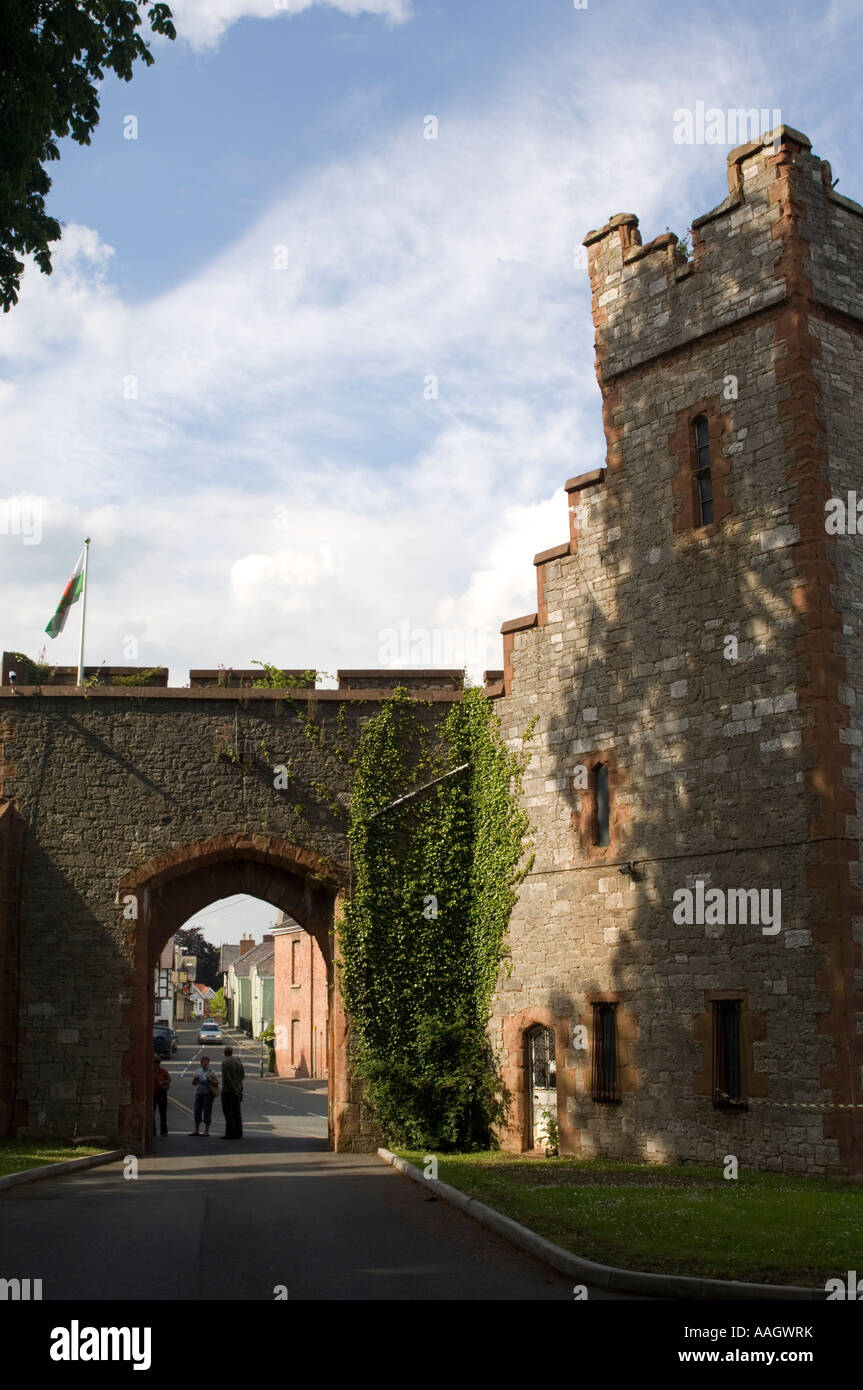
247 944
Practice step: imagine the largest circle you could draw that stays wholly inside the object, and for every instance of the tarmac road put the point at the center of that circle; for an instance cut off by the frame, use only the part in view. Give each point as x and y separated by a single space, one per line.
272 1213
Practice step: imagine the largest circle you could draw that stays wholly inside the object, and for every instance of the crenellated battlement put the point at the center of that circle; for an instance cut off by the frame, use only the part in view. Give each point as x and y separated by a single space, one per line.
710 334
228 682
651 300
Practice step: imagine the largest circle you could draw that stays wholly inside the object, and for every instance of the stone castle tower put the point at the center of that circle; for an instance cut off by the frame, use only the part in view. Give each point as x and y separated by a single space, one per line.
696 666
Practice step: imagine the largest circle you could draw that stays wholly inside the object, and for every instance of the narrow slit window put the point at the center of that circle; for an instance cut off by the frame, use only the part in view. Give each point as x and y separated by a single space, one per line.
601 804
603 1086
703 481
727 1055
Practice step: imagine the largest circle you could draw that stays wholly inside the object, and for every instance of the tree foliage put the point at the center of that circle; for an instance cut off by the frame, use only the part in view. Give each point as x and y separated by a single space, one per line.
52 55
219 1004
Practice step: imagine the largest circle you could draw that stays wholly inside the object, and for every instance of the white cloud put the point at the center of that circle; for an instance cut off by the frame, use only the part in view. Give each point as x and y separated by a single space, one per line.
302 389
74 308
203 22
230 918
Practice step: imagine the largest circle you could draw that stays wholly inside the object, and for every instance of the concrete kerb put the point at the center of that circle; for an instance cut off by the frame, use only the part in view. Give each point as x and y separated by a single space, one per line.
587 1271
69 1165
315 1085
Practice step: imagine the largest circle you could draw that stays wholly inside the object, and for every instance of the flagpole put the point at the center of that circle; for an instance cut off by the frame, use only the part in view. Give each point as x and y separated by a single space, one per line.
83 612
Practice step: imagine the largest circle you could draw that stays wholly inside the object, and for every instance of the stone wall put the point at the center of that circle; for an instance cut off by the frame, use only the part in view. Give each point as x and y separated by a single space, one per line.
138 807
11 835
834 229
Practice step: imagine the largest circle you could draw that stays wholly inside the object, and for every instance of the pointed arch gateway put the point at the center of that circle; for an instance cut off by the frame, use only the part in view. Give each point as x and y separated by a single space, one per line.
170 888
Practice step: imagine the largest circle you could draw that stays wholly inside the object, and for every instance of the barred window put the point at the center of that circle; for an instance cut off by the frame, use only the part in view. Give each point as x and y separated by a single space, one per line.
603 1086
727 1055
703 480
601 804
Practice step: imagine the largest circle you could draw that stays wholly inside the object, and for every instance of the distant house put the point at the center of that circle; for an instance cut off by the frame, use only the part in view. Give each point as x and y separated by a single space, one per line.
163 984
249 1004
300 1002
199 998
261 983
185 970
228 954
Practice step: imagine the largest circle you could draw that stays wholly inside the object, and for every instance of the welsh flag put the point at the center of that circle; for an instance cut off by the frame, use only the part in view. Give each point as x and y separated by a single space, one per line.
71 594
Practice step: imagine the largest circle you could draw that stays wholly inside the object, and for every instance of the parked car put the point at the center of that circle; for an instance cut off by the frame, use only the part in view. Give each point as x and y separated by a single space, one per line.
168 1033
210 1033
162 1043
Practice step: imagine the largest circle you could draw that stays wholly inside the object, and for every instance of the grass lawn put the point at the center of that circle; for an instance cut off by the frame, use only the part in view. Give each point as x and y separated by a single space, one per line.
763 1227
18 1154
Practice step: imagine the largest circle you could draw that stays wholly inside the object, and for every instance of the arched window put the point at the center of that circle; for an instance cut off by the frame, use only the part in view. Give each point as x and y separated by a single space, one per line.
703 482
601 804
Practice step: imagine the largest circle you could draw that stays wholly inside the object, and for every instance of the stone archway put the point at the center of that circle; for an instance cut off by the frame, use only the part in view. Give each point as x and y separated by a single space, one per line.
517 1134
166 891
166 797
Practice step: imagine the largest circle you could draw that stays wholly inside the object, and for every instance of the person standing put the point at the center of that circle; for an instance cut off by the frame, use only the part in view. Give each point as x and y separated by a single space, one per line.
232 1095
206 1084
161 1082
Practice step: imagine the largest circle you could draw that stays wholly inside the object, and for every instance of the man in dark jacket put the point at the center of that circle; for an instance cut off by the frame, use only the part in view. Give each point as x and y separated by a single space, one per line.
232 1095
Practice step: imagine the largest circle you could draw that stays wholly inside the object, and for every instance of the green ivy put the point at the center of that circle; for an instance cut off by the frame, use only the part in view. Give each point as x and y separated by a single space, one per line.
274 679
33 672
38 672
422 935
139 678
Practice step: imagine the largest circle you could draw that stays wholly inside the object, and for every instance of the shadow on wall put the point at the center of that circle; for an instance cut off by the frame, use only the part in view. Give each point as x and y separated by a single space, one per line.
692 798
690 657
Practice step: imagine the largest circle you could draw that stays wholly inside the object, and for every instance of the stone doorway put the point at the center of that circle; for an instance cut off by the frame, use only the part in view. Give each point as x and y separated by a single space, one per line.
541 1077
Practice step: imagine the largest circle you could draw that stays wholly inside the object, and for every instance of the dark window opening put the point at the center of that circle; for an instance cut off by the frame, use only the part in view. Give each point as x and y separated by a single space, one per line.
541 1059
727 1055
601 805
703 479
603 1085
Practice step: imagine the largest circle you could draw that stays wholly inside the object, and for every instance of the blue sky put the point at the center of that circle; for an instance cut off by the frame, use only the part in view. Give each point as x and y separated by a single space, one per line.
251 446
225 129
